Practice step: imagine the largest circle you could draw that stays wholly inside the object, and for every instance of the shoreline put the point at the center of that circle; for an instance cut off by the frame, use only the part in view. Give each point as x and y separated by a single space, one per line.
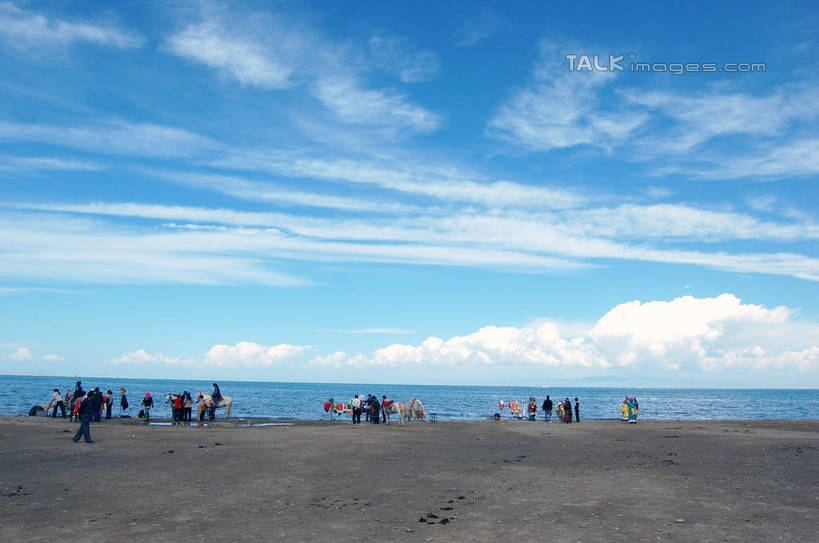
316 481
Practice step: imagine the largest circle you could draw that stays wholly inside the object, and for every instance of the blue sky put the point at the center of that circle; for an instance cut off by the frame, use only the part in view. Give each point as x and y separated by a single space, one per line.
411 192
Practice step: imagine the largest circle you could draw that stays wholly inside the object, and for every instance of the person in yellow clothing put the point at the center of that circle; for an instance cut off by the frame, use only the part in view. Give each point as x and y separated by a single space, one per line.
625 409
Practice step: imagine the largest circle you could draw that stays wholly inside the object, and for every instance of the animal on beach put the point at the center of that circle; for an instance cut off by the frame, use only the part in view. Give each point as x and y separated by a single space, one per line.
393 409
226 402
413 410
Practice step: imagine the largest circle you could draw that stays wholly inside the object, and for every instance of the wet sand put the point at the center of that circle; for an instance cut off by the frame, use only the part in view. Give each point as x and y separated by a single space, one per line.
468 481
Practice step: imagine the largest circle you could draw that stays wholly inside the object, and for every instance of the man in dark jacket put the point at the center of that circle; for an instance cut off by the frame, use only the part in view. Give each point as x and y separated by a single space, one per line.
97 404
547 408
375 407
85 413
576 409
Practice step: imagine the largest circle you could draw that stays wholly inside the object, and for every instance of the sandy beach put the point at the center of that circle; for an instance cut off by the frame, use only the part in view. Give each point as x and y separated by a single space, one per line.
454 481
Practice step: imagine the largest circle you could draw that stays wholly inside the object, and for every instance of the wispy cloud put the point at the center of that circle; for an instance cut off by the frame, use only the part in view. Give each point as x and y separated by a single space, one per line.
477 26
112 137
37 163
698 118
251 57
397 55
23 29
268 52
367 331
563 109
519 241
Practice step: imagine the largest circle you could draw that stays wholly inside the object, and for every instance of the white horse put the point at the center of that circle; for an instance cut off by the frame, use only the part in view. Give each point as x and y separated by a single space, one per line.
393 409
413 410
226 402
559 411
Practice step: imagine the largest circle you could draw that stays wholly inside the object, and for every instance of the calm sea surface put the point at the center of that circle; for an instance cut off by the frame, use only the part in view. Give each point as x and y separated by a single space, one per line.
305 400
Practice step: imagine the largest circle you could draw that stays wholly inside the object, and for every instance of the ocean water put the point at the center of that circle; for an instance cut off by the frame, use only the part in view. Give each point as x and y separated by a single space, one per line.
305 400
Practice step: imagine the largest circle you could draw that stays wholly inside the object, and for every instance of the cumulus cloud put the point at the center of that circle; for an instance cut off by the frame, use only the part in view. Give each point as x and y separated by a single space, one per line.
142 356
692 333
20 354
248 354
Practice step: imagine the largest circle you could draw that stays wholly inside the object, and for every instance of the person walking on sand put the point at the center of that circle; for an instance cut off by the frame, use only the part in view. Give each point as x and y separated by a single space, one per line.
147 404
57 402
85 412
356 403
576 409
547 408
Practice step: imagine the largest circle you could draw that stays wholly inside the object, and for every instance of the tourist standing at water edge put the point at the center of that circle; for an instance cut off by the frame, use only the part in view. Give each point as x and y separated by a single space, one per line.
576 409
375 407
356 403
57 401
147 404
97 404
123 403
109 404
85 412
567 411
187 402
547 408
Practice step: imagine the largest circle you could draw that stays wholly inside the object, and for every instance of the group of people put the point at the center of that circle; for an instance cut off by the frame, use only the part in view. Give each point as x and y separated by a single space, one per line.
371 408
69 403
630 408
563 409
89 406
182 406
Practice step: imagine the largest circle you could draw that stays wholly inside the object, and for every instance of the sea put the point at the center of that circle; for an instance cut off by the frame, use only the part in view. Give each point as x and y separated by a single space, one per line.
306 400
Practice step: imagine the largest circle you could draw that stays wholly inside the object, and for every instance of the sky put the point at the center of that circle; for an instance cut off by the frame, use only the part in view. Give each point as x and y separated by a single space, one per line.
411 192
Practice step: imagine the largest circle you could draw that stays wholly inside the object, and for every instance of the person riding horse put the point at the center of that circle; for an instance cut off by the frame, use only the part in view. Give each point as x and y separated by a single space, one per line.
217 394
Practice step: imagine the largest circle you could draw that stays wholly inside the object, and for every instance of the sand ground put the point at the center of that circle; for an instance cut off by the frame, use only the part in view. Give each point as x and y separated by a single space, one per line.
453 481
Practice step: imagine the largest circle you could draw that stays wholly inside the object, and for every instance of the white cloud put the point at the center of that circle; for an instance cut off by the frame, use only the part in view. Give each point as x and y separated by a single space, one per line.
247 354
224 241
704 116
142 356
477 26
397 55
444 182
700 334
252 60
113 137
352 103
53 357
23 29
72 249
771 162
563 109
18 163
272 53
20 354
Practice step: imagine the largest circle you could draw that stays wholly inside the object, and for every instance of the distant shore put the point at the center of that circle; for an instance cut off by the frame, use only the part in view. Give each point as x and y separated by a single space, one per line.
454 481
